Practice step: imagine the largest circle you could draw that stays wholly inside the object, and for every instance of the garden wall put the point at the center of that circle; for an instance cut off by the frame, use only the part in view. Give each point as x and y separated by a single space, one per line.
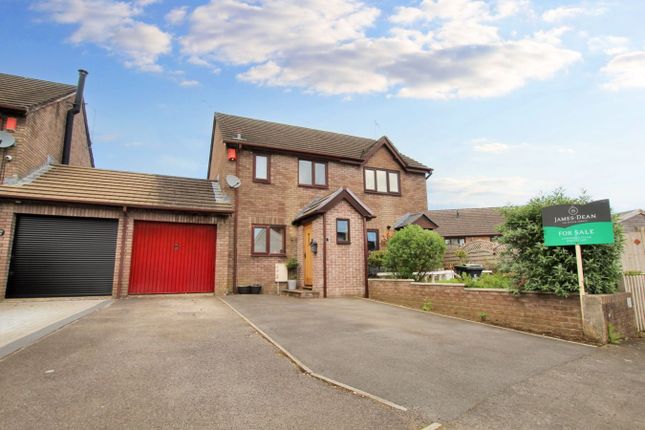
532 312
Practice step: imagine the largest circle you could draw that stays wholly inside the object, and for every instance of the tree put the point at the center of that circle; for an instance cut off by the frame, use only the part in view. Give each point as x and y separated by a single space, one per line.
535 267
412 252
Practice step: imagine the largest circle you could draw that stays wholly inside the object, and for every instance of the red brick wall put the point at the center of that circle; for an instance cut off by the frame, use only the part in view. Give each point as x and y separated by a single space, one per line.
536 313
9 210
345 263
40 135
280 201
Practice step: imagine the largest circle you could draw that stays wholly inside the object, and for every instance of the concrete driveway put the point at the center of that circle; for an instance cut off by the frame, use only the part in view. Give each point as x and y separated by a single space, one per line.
172 363
441 367
23 322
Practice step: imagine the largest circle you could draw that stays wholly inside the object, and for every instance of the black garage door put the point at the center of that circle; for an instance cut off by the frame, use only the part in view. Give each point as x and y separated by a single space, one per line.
62 257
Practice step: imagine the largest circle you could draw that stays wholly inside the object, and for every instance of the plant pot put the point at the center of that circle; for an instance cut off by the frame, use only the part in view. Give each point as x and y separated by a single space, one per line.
255 289
245 289
292 284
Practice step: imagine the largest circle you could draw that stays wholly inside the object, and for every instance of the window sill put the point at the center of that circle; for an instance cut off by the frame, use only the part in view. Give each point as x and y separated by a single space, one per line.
254 254
319 187
378 193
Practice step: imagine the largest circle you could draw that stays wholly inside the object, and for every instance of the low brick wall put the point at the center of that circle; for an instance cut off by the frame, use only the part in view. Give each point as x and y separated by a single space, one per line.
532 312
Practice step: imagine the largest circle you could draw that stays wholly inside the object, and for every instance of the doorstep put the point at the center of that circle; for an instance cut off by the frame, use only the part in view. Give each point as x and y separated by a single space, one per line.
301 293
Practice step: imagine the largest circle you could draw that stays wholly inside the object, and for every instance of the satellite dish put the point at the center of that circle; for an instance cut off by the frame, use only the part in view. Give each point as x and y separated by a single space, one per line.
233 181
6 140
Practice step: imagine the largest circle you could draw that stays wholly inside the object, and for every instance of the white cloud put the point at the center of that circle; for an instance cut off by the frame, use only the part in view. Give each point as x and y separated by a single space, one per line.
488 145
492 146
323 46
567 12
188 83
177 15
610 45
242 32
483 190
625 71
112 25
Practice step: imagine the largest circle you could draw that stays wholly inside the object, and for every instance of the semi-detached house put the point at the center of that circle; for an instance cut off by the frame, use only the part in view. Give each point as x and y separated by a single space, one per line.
305 190
273 191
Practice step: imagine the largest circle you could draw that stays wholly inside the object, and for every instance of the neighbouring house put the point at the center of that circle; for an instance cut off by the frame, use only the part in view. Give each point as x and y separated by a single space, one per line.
419 218
322 197
47 121
68 229
633 223
461 226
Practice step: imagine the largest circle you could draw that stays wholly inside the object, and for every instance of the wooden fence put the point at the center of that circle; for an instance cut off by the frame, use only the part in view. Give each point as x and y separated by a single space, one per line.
636 285
481 252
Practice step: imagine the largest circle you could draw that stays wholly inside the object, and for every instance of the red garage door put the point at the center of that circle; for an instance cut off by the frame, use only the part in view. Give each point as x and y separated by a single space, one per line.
172 258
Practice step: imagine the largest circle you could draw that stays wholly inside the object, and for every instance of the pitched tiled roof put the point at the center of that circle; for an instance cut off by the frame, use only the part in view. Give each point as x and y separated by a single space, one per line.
322 204
62 183
466 222
299 139
624 216
25 94
410 218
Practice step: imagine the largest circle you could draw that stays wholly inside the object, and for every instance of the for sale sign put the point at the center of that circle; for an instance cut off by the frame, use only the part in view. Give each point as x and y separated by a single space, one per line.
588 224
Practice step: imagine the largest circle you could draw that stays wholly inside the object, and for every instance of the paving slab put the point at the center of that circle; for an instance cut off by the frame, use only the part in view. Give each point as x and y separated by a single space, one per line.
23 322
173 363
440 367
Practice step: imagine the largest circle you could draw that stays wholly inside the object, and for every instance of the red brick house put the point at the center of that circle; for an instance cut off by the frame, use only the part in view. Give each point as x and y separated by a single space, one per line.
302 189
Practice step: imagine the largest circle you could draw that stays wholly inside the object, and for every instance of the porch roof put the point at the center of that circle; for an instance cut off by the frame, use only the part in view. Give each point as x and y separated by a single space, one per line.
321 205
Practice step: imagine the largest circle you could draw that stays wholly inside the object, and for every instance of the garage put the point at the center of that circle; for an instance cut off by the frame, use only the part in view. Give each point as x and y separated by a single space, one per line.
172 258
55 256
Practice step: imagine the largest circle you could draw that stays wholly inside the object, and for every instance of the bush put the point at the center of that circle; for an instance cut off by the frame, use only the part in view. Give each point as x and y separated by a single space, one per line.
535 267
412 252
377 258
495 280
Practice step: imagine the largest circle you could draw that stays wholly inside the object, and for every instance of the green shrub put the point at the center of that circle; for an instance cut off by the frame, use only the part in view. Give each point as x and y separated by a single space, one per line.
427 305
495 280
412 252
377 258
535 267
633 273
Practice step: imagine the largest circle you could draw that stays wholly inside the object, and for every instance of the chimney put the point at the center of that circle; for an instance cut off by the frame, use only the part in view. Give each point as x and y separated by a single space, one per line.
69 121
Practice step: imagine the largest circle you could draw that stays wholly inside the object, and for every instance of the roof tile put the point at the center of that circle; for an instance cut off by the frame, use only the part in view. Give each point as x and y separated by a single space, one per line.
299 139
467 221
114 188
25 94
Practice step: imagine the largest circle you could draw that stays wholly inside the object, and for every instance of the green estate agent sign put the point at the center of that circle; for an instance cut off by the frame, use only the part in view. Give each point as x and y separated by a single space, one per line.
588 224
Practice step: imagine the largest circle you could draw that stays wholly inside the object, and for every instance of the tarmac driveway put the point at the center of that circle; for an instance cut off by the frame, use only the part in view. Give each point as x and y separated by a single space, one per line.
440 367
170 363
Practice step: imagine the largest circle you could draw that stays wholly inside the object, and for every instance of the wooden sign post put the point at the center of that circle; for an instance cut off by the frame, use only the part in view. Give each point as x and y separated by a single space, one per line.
589 224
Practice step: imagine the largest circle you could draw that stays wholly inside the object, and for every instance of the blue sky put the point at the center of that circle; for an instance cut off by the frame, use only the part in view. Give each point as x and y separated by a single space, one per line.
503 98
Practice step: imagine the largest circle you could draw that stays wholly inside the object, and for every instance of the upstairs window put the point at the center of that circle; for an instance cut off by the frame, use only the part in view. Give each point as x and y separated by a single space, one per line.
261 168
268 240
312 174
342 231
382 181
456 241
